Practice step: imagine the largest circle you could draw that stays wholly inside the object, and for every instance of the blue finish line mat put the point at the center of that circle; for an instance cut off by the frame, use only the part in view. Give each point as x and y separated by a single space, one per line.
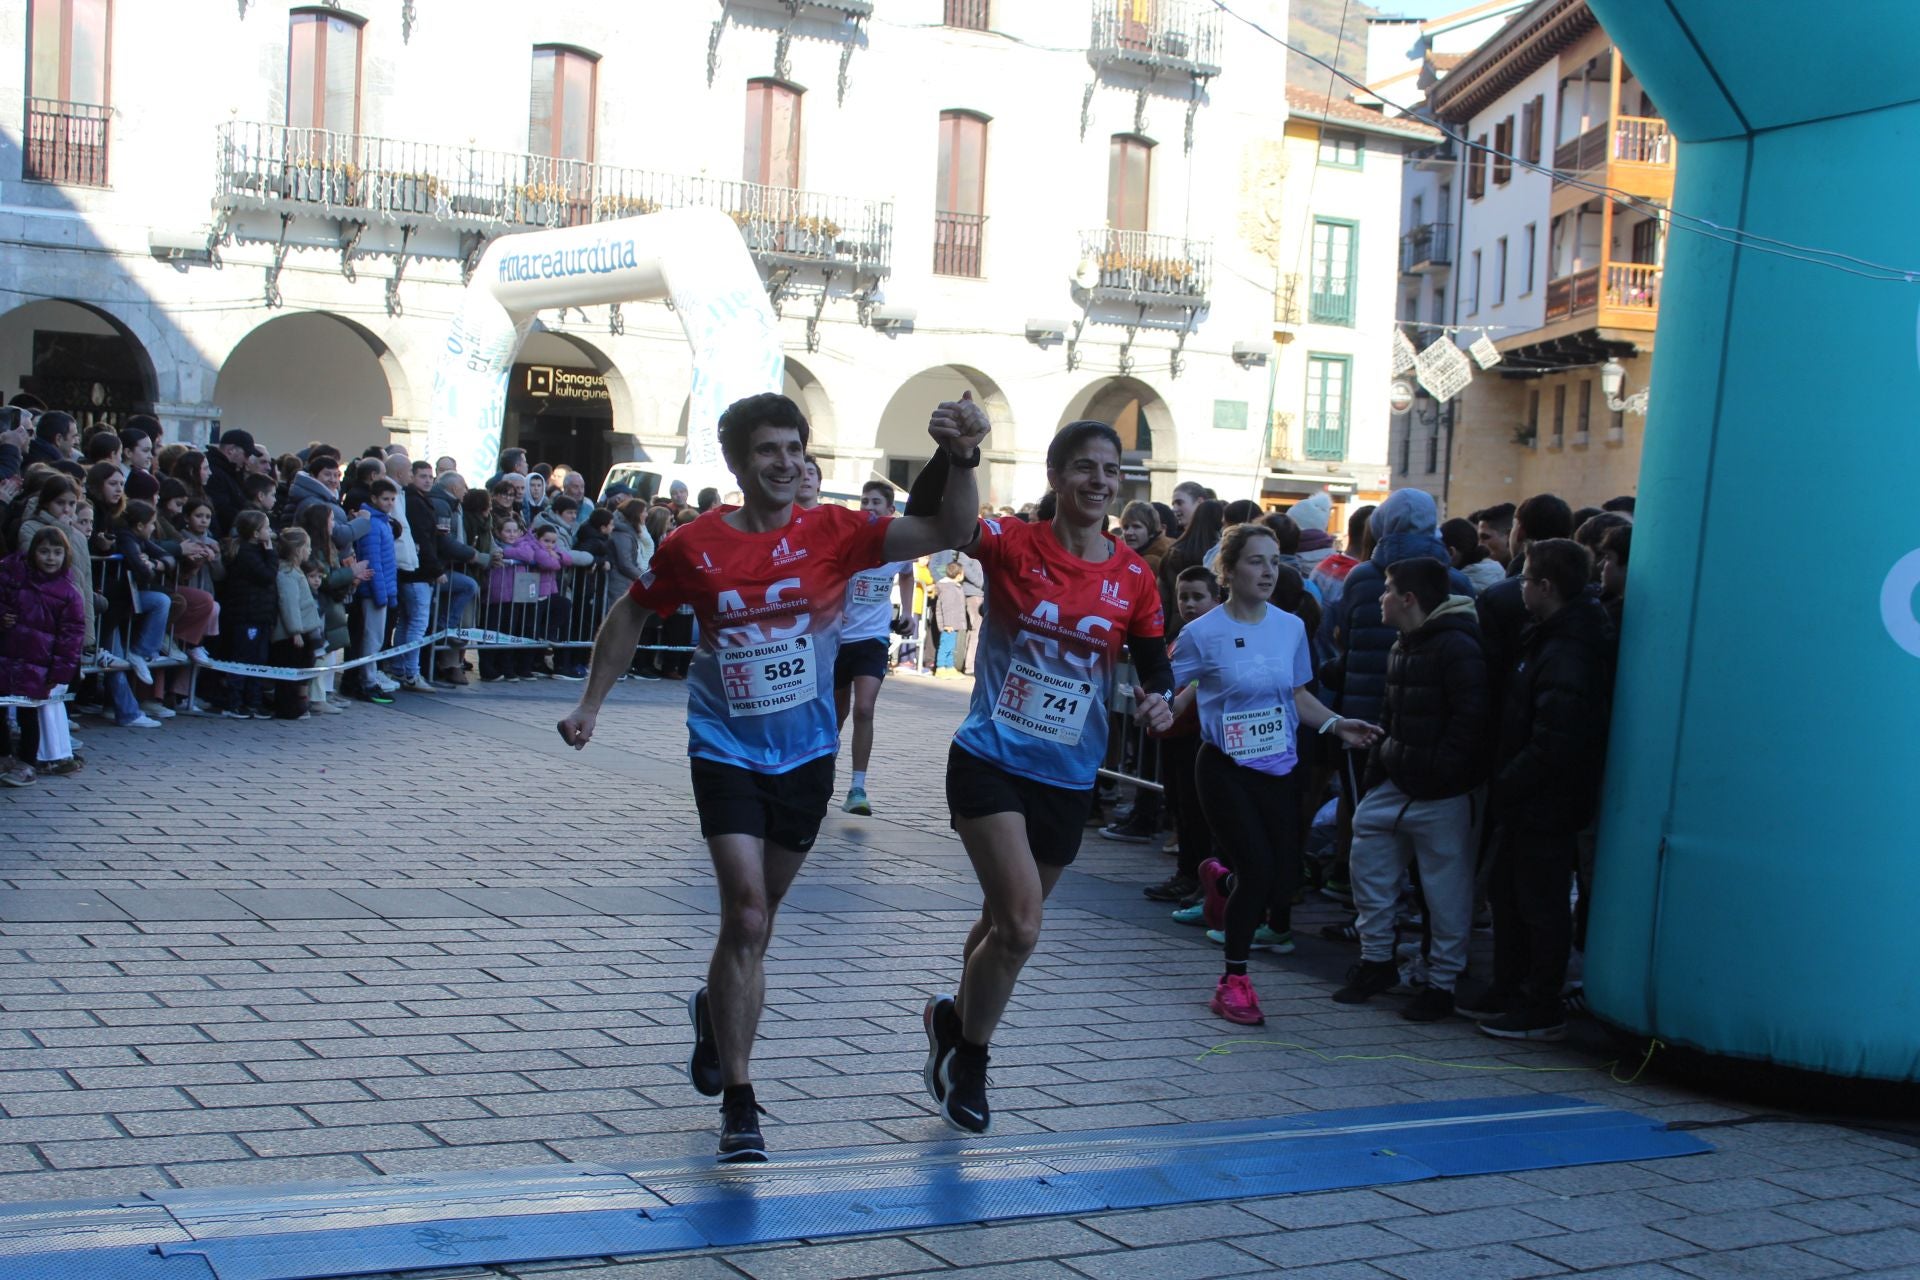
330 1230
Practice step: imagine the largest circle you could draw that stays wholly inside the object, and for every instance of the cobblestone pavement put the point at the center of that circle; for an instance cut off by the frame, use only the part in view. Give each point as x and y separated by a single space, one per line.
431 937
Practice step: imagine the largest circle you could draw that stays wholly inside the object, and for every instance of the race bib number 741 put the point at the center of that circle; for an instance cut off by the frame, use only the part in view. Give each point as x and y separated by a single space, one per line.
1043 704
764 678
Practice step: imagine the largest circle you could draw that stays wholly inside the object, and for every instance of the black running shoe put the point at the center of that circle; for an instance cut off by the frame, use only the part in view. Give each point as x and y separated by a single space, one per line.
740 1140
1368 979
704 1068
942 1021
965 1079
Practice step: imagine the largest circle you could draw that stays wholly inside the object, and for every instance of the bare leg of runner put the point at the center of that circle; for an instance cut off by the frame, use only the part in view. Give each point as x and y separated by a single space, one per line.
866 693
1016 889
753 877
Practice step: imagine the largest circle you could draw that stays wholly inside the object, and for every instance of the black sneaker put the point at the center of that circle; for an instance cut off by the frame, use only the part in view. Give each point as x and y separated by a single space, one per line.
1431 1005
1528 1024
964 1080
1368 979
1488 1002
942 1021
645 673
704 1067
1126 833
1175 888
740 1140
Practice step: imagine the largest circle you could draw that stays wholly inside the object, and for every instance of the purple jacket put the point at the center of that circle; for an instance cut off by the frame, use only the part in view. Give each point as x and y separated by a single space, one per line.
42 647
524 554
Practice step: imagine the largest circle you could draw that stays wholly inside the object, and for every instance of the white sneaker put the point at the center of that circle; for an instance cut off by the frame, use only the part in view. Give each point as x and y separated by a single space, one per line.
144 722
77 745
320 706
199 655
418 683
158 710
139 667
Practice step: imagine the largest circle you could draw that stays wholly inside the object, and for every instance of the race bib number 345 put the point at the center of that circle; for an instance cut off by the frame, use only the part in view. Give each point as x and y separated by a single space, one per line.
764 678
1043 704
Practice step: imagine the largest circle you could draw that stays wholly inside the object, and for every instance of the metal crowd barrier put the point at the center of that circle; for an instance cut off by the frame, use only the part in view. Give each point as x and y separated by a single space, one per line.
1133 756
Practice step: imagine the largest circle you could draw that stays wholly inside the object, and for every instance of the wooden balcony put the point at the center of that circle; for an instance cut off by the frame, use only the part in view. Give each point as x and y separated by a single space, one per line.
1617 295
1634 154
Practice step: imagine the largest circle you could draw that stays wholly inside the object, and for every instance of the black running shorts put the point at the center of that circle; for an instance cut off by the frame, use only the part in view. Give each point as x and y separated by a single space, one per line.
1056 816
860 658
780 808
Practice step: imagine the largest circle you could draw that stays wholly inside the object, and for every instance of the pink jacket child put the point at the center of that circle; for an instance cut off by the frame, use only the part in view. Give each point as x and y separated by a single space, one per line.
529 552
43 626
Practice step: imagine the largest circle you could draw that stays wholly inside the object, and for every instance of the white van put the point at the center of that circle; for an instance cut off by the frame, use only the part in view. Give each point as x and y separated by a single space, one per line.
648 479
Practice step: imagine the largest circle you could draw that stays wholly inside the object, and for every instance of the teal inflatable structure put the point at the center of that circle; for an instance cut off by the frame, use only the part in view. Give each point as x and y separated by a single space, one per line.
1758 876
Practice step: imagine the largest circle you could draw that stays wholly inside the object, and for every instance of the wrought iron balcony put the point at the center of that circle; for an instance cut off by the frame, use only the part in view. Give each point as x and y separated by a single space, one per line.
1325 438
957 241
1425 247
1157 35
359 178
66 143
1142 268
1290 300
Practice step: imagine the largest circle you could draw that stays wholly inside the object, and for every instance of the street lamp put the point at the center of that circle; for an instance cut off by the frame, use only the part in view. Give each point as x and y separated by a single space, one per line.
1613 376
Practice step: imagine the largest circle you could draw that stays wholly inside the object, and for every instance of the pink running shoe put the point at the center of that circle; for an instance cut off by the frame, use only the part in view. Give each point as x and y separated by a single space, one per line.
1213 898
1234 1000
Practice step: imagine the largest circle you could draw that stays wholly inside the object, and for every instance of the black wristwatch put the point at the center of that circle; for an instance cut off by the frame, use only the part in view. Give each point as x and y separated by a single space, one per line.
967 464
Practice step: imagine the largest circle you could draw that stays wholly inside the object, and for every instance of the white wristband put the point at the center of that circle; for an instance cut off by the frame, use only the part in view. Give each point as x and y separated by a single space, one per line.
1326 726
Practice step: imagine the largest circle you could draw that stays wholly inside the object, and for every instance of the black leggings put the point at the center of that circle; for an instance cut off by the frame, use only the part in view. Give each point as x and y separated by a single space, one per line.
1177 757
1257 815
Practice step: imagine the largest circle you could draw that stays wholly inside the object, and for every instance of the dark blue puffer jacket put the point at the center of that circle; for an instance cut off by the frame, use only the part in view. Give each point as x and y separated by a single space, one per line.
376 548
1356 680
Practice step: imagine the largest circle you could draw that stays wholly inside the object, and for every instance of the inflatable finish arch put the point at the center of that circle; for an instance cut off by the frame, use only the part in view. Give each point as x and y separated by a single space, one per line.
1759 867
693 256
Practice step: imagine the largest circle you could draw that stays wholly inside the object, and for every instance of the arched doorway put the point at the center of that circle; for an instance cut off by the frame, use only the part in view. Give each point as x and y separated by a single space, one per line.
310 376
902 438
77 359
804 389
565 401
1136 411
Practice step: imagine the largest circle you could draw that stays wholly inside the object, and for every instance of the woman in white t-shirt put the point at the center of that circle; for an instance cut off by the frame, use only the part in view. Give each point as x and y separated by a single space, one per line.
1247 665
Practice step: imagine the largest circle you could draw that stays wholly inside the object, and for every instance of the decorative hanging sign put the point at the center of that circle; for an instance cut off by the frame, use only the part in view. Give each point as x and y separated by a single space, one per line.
1485 354
1443 370
1403 352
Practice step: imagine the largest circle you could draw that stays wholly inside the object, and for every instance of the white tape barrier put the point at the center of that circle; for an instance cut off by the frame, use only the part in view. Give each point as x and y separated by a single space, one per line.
695 257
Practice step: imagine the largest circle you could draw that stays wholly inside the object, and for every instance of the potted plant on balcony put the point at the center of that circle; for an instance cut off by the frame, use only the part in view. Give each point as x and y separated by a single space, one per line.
606 207
540 203
400 192
322 181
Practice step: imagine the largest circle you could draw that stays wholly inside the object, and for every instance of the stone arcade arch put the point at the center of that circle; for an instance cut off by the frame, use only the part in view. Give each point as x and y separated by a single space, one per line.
902 436
1145 425
78 358
312 375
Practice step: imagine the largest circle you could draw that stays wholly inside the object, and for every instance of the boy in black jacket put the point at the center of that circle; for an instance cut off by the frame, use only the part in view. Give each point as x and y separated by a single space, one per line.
1545 788
1418 805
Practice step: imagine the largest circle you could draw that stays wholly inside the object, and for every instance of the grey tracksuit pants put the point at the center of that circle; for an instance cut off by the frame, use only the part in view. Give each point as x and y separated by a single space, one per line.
1389 830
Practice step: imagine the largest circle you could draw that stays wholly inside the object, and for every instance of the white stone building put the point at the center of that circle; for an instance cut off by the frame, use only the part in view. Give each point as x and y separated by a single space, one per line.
256 214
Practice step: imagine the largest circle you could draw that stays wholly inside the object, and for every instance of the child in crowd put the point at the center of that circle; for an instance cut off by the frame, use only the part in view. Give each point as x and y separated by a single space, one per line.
950 615
379 591
516 589
549 561
249 604
1196 590
298 637
338 576
43 629
144 564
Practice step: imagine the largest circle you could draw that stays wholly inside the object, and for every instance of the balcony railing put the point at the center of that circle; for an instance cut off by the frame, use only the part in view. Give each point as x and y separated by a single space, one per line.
356 177
957 238
1634 286
1332 301
1570 295
1642 140
1141 267
1290 300
1325 438
1581 155
1426 246
66 143
971 14
1177 35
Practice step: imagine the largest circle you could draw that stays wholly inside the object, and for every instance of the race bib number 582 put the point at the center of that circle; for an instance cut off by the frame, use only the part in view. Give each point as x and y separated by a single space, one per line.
764 678
1044 704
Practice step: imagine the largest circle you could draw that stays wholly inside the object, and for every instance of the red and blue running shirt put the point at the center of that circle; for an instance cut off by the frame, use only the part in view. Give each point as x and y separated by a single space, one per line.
1053 627
761 691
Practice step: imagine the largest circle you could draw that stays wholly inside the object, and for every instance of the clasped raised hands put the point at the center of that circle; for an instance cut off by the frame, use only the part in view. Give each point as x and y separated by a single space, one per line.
959 426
